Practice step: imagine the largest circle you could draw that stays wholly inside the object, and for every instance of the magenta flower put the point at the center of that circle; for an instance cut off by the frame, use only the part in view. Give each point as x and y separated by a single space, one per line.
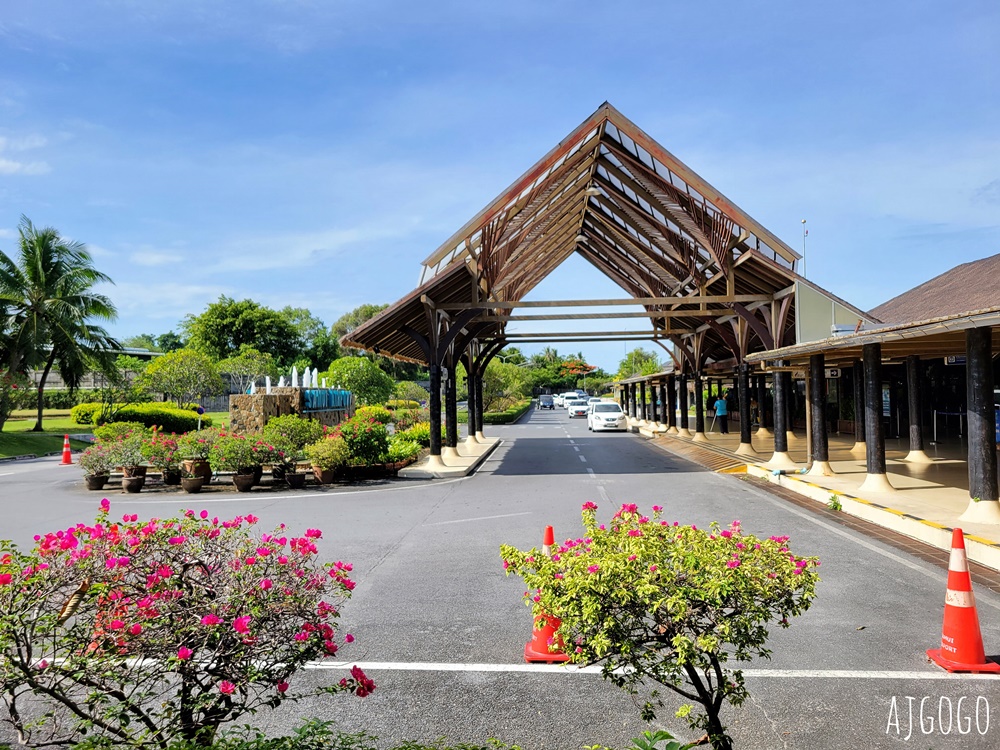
314 533
135 629
282 687
593 568
5 579
652 568
184 653
176 540
210 619
589 506
348 638
242 624
657 508
226 687
105 505
266 584
116 625
734 563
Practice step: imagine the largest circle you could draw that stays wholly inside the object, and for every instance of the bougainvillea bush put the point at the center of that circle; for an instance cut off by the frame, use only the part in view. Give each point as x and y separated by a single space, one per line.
656 601
148 632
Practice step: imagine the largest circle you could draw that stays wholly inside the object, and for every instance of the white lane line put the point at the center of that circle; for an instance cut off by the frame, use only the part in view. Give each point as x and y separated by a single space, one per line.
582 458
572 442
828 674
480 518
591 472
7 473
603 493
576 448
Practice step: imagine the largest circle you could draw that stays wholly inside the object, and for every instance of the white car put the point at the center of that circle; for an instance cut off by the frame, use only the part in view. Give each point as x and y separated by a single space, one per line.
567 397
606 415
577 407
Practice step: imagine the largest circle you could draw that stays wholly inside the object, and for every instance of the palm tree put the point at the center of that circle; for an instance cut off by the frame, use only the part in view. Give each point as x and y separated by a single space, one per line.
47 303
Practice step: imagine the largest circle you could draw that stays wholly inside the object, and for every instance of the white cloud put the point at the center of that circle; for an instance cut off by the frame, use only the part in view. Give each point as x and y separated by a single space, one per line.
151 258
161 299
9 166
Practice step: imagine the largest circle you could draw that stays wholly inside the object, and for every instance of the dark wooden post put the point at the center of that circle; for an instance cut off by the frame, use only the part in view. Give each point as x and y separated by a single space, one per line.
743 389
435 409
780 459
789 404
450 412
916 454
643 412
622 398
859 407
479 402
662 398
683 397
670 402
981 424
817 409
470 384
699 408
876 481
764 422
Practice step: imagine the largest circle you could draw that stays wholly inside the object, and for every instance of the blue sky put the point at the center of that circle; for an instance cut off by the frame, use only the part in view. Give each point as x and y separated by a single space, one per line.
313 153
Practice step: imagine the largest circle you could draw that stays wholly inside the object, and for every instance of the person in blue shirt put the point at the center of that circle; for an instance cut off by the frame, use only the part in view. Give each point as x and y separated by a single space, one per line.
722 412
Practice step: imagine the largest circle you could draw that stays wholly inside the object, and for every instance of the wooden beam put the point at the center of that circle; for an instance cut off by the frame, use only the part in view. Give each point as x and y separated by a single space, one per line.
720 313
672 301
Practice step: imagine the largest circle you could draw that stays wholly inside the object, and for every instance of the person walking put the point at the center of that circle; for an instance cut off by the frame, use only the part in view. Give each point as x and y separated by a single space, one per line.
722 412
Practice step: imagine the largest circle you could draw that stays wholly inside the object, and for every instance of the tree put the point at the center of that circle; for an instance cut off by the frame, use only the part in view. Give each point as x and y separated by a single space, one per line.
228 324
360 314
183 375
319 344
121 386
246 367
169 342
670 604
49 304
638 362
407 390
502 384
362 377
141 341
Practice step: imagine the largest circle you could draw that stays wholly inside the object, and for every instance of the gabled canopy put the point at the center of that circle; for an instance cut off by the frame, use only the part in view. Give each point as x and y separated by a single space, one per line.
713 281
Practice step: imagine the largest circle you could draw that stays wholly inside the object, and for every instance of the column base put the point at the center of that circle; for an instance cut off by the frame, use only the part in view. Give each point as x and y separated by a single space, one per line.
673 430
683 432
435 462
876 483
985 511
471 442
791 437
821 469
480 436
860 449
699 437
745 449
781 461
763 432
918 457
448 452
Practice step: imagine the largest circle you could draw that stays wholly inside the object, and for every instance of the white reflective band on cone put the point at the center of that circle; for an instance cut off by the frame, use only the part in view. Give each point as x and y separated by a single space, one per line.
959 599
958 560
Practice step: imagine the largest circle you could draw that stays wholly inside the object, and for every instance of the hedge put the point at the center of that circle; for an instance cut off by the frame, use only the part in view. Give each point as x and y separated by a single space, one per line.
167 417
57 398
507 416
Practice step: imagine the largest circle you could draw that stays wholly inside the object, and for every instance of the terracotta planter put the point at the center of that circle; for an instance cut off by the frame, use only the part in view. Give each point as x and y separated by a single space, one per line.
198 466
96 481
134 471
133 484
243 482
192 484
295 480
324 476
172 477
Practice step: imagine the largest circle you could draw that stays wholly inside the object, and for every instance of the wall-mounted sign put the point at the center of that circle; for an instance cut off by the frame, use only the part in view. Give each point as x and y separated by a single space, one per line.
886 407
956 360
833 372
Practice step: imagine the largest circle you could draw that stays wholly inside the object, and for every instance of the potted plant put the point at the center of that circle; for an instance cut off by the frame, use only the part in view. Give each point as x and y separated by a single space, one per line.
161 453
192 483
193 448
127 454
238 454
97 463
327 455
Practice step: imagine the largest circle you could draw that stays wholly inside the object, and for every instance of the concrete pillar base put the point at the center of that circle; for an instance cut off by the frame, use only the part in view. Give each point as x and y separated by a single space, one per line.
480 436
859 449
781 461
448 452
985 511
471 442
791 437
745 449
699 437
435 462
763 432
918 457
673 431
683 432
821 469
876 483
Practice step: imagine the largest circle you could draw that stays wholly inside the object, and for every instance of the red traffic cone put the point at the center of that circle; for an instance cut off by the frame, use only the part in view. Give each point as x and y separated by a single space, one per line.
543 631
961 639
67 453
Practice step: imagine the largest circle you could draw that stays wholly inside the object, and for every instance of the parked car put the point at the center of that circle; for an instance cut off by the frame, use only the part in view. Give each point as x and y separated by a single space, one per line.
577 407
546 401
606 415
567 397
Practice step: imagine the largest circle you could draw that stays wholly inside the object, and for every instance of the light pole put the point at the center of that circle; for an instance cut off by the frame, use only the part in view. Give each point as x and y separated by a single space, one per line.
805 233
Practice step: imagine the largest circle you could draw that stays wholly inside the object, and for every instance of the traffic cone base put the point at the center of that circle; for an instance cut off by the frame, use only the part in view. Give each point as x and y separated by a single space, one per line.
961 638
542 634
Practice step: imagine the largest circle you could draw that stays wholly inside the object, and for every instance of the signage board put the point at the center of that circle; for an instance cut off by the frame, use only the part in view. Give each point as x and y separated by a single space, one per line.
955 360
833 372
886 403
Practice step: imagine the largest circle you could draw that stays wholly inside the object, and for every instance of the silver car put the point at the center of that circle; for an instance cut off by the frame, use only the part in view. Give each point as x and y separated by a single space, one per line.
606 415
577 407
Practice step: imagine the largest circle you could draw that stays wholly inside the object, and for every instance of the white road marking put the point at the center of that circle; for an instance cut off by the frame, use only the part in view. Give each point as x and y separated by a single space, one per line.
480 518
572 442
829 674
591 472
582 458
7 473
576 448
603 493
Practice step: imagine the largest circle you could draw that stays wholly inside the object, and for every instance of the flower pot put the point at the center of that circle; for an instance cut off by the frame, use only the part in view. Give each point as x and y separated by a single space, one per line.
295 480
133 484
172 477
134 471
192 484
324 476
96 481
243 482
198 466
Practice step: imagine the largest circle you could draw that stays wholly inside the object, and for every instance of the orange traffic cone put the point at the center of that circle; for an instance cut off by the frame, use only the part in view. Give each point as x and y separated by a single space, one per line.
961 639
67 453
543 632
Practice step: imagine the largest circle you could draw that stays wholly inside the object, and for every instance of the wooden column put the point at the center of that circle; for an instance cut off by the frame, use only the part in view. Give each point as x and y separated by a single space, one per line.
632 411
479 403
762 430
876 481
643 412
471 387
789 405
817 414
916 454
450 448
682 394
670 403
699 409
434 404
743 389
859 408
780 458
983 507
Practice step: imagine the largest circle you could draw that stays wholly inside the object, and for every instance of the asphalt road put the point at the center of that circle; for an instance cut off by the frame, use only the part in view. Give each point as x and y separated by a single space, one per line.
433 608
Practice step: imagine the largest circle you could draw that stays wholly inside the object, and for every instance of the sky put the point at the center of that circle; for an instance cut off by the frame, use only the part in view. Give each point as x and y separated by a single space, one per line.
313 152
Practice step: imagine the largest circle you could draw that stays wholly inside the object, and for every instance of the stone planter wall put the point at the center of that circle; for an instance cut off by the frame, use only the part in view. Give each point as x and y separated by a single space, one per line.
249 413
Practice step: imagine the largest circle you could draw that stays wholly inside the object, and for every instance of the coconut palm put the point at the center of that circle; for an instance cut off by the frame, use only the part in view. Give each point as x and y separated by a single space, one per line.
47 302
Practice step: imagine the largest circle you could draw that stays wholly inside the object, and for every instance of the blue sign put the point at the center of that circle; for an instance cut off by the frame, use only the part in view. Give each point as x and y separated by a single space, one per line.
996 420
200 410
955 360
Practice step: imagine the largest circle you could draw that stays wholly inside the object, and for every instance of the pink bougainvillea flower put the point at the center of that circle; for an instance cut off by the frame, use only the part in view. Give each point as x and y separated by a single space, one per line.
282 687
116 625
266 584
226 687
242 624
300 636
135 629
314 533
210 619
5 579
184 653
204 514
251 518
105 505
657 508
593 568
176 540
734 563
589 505
348 638
652 568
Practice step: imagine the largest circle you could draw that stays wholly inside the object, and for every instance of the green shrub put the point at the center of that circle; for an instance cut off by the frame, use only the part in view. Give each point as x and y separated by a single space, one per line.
112 431
197 443
378 413
367 440
398 403
406 418
295 429
165 416
328 453
86 412
401 449
507 416
237 453
420 433
61 398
